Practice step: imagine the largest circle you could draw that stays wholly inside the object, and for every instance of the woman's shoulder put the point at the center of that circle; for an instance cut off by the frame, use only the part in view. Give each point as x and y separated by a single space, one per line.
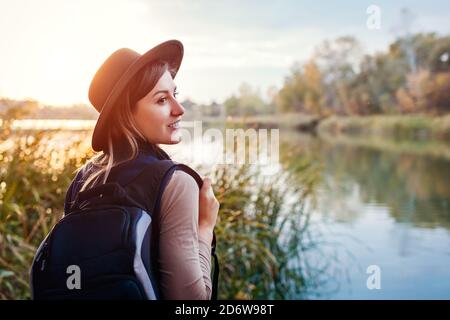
181 180
179 198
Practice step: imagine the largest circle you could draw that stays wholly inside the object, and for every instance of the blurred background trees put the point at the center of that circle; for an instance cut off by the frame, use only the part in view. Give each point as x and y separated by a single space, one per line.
339 79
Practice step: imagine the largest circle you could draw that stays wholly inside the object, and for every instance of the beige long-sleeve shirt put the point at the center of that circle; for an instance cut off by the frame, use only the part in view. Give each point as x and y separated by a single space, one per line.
184 257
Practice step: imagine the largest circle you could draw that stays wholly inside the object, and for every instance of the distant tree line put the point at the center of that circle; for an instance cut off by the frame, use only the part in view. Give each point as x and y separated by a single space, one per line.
31 109
413 76
248 101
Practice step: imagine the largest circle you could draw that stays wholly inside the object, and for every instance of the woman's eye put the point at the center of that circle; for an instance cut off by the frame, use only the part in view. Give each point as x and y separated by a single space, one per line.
162 100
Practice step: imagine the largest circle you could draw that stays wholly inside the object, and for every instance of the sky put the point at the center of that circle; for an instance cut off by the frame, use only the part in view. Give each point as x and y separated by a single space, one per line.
51 49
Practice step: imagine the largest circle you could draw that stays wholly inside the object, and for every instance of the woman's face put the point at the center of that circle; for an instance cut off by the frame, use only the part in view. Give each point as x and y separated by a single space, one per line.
158 114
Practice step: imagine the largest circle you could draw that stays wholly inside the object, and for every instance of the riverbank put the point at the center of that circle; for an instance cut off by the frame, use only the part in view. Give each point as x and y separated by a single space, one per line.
297 121
427 148
402 127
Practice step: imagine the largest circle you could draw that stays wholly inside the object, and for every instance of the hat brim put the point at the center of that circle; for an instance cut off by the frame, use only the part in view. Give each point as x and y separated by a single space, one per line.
170 51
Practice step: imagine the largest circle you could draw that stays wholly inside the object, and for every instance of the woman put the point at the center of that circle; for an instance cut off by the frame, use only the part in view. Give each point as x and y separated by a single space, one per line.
136 97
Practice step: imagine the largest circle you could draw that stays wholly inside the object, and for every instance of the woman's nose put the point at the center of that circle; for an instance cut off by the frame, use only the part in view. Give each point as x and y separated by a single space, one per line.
177 109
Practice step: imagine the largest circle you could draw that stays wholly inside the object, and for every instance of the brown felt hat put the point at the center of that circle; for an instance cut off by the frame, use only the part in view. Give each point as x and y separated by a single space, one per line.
116 72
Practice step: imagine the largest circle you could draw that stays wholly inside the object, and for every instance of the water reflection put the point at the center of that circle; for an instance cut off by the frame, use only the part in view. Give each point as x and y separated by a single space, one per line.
385 207
414 188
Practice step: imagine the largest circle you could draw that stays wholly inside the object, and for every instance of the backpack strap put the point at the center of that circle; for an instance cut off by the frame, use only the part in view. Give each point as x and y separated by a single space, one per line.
199 181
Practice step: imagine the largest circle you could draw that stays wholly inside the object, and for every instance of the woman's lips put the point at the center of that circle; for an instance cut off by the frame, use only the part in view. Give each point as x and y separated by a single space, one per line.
175 125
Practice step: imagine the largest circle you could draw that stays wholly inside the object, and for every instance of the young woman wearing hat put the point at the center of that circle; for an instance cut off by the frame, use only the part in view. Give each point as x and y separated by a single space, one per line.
136 97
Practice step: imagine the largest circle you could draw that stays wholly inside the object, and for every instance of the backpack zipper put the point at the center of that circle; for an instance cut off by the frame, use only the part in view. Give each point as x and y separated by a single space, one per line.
45 255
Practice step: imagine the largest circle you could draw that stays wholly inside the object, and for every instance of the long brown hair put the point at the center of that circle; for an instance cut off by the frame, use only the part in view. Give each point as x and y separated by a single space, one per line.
122 127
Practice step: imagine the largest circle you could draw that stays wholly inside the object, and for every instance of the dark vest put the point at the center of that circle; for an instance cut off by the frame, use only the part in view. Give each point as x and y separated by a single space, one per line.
144 180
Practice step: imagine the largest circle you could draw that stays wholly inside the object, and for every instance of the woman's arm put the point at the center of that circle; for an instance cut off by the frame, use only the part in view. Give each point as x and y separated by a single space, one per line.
184 256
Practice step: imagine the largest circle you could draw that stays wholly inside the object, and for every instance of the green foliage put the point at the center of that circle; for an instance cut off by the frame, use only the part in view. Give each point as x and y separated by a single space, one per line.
401 127
412 76
33 181
34 175
262 237
304 92
247 102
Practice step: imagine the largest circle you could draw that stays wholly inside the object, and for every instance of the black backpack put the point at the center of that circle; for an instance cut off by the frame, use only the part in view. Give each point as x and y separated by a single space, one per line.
114 257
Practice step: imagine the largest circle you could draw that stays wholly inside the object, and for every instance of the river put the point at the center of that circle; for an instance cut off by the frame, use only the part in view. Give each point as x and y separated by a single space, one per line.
388 207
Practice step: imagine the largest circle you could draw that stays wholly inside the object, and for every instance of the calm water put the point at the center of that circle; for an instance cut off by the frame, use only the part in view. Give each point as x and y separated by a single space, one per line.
386 205
384 208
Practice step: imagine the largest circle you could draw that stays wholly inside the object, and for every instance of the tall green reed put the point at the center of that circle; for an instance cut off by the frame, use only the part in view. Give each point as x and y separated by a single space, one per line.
34 176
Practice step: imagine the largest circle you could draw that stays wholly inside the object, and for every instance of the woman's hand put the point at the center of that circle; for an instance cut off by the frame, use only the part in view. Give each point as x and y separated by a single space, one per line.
208 209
